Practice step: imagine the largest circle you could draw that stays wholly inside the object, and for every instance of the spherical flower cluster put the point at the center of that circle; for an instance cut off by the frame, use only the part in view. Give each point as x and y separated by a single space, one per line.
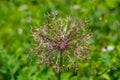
65 38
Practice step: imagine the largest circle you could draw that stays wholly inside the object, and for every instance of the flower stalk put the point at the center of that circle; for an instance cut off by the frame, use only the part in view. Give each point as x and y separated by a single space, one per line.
60 66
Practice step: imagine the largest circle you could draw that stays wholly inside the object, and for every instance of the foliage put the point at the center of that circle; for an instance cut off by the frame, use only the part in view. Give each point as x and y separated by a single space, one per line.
17 16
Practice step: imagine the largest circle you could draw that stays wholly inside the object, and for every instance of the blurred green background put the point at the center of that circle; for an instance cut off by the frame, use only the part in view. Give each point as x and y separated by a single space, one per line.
17 16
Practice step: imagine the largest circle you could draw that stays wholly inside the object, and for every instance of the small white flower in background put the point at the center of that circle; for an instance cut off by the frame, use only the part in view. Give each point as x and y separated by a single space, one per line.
110 48
76 7
104 49
83 9
23 8
29 19
20 31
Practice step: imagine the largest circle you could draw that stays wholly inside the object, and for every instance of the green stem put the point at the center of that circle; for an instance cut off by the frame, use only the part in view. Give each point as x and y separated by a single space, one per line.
60 66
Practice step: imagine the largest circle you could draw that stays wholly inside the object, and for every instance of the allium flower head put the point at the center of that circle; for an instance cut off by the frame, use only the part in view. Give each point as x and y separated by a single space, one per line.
66 36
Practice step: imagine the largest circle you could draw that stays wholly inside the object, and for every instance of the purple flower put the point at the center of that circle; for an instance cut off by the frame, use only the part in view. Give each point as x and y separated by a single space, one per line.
69 36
